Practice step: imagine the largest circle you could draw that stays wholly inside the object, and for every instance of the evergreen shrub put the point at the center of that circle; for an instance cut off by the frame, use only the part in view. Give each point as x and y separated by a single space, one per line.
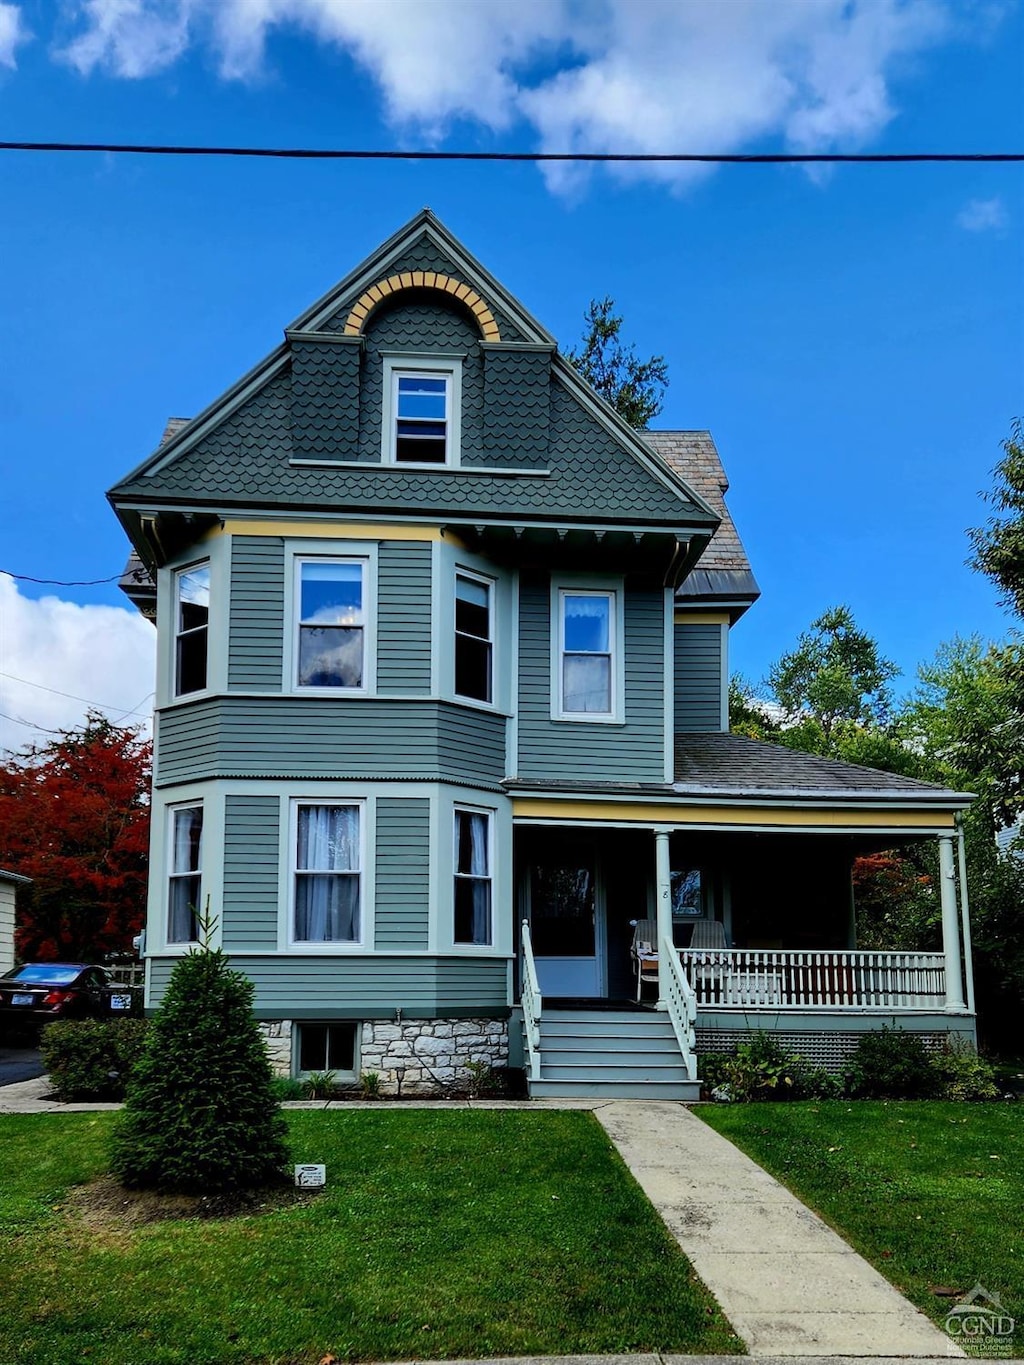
91 1059
201 1114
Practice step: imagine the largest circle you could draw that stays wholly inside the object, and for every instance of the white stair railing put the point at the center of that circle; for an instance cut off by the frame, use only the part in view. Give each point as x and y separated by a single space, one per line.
532 1004
682 1006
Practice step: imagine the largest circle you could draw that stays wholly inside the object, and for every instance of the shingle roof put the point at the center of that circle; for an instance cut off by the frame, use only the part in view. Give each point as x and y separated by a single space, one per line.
693 456
722 764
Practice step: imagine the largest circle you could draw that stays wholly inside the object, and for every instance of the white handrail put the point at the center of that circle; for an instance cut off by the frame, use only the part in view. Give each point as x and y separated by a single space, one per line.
748 978
532 1004
682 1006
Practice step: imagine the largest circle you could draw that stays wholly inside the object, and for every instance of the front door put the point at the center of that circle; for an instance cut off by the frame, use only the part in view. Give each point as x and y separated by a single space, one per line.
565 923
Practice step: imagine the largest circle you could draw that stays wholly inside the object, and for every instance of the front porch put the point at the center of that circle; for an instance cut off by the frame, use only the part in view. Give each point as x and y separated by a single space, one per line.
779 902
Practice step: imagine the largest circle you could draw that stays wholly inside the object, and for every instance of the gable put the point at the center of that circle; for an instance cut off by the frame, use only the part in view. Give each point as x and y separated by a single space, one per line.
305 428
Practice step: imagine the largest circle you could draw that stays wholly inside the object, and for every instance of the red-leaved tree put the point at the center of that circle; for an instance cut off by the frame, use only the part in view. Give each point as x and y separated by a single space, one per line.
74 816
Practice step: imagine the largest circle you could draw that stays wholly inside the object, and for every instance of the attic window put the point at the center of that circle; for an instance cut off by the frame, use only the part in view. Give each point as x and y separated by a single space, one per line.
421 413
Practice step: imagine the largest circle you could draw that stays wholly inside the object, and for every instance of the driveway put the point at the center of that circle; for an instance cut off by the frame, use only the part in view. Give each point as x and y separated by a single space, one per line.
19 1064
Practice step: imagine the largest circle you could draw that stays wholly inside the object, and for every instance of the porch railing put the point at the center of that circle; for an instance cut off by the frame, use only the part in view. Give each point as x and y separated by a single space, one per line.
532 1004
682 1007
754 978
134 974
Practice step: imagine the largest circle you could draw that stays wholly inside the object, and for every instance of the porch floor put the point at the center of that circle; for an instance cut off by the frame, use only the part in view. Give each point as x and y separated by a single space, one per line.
583 1002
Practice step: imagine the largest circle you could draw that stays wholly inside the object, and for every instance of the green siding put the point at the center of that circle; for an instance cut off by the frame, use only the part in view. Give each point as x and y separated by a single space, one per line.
251 863
698 670
256 631
325 399
517 407
403 617
631 752
321 737
403 873
293 987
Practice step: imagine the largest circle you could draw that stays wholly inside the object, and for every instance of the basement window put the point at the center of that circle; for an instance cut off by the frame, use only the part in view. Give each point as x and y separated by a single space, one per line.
327 1047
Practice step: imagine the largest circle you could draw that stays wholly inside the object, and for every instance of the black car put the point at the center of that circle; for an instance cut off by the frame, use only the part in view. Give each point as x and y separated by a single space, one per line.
39 992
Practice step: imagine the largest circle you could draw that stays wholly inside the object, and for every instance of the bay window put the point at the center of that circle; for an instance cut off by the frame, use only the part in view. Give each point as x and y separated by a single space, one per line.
472 877
191 628
185 880
474 636
327 874
331 645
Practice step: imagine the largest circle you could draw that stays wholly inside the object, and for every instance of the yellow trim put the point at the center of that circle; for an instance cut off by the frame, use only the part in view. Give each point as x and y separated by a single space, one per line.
701 618
422 279
331 530
785 817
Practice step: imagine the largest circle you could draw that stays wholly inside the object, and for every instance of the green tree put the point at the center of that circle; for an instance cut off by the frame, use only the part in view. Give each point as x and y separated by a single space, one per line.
200 1114
748 713
635 388
999 545
835 675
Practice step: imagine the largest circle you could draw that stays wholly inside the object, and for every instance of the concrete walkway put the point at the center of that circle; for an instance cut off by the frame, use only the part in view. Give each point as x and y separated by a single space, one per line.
789 1285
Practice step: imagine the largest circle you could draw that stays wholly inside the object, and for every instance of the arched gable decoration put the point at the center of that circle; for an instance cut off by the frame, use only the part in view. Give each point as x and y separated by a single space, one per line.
422 279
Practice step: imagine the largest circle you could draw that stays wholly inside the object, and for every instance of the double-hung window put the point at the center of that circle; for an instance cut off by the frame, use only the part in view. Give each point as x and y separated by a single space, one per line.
422 408
328 874
472 877
474 636
185 881
191 628
331 647
586 653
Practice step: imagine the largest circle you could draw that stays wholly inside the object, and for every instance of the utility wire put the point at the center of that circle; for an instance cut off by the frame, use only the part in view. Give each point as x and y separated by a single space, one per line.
71 696
62 582
408 154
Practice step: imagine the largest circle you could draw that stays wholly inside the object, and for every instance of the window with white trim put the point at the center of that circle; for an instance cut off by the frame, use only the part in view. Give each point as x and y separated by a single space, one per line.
191 628
331 628
185 878
327 874
473 892
586 652
421 403
474 636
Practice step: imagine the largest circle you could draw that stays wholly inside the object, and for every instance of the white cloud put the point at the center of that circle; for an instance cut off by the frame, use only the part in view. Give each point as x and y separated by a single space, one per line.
586 75
103 654
983 215
12 33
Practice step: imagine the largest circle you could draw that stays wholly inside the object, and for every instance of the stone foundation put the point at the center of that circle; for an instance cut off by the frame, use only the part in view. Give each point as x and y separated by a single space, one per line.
277 1035
433 1052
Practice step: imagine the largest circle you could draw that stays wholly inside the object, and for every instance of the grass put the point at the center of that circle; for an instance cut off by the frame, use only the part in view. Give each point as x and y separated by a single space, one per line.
932 1194
442 1233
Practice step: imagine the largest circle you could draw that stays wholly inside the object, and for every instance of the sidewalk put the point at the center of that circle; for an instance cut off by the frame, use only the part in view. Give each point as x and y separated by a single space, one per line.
789 1285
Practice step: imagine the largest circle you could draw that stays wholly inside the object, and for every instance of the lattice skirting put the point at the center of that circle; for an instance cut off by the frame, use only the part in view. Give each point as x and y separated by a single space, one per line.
830 1051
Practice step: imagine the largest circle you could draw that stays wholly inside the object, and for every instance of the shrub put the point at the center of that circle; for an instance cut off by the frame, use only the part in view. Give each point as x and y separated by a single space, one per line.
91 1059
287 1088
319 1085
200 1112
891 1064
962 1074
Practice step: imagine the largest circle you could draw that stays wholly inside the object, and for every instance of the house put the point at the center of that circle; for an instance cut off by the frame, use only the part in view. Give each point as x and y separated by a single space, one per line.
9 883
441 719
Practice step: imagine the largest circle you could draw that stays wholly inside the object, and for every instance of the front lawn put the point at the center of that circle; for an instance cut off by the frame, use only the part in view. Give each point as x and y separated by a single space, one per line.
442 1233
931 1193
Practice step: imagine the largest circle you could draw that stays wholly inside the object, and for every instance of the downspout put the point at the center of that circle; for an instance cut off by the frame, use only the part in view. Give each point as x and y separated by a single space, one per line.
965 914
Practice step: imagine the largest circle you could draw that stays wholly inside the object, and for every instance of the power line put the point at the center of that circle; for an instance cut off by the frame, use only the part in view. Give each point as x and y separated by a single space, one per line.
62 582
71 696
409 154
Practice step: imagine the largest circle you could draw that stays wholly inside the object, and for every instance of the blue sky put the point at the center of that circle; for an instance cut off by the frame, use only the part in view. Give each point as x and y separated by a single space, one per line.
853 340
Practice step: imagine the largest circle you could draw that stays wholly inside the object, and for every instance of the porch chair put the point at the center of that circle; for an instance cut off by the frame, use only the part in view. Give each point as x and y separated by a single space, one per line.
644 952
708 933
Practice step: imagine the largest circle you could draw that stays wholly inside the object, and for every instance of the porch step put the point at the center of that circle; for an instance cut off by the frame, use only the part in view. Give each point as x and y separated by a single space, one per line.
615 1053
686 1091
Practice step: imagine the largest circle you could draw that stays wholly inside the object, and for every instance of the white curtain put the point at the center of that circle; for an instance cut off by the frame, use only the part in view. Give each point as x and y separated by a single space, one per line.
327 874
186 878
472 884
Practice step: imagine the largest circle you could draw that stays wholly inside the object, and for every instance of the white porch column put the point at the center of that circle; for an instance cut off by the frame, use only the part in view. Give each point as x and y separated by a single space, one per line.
663 894
950 926
965 913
